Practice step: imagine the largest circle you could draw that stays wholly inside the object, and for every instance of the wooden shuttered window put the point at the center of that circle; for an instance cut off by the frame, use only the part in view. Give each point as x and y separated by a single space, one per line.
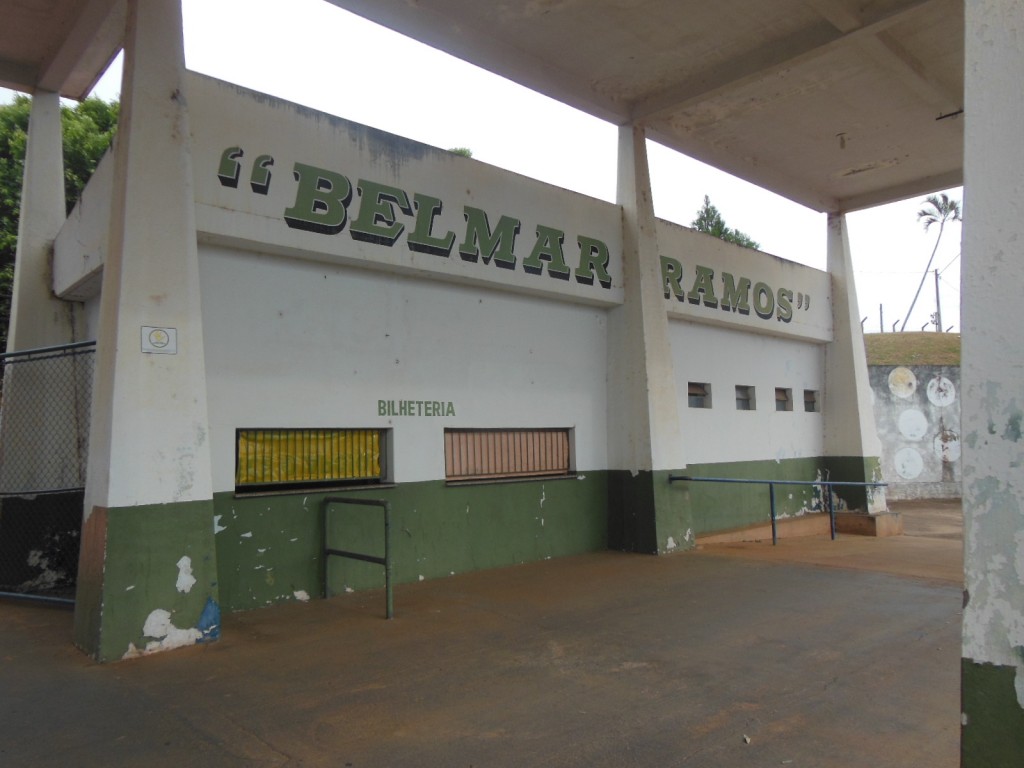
295 458
492 454
698 394
783 399
745 398
811 400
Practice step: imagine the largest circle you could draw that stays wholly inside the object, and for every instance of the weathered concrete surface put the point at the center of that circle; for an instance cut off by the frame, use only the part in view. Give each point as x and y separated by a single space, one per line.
930 548
600 660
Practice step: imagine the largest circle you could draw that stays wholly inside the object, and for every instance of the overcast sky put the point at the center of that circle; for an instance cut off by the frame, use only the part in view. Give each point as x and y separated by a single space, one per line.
312 53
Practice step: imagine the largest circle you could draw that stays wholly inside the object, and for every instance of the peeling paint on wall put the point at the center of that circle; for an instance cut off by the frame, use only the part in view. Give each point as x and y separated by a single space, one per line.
166 636
185 578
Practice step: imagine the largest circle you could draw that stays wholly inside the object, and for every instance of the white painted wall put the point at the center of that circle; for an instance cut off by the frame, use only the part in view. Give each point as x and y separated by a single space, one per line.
262 126
810 289
294 343
306 329
725 358
80 248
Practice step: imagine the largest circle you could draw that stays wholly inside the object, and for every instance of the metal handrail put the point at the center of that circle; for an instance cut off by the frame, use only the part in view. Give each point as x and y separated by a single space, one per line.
47 350
771 493
385 561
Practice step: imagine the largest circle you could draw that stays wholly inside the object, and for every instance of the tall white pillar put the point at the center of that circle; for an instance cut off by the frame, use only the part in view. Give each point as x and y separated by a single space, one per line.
644 435
149 429
851 443
38 434
992 381
148 501
38 318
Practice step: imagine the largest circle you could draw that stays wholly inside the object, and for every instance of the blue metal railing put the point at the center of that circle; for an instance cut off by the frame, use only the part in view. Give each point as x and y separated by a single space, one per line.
385 561
827 484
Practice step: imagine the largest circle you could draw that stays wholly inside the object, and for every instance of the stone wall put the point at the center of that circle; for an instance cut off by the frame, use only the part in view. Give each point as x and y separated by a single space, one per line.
917 412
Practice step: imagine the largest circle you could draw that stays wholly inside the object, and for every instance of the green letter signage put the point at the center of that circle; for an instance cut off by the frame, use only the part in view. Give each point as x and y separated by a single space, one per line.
420 239
764 301
480 241
547 248
321 201
671 276
735 298
376 220
703 286
593 256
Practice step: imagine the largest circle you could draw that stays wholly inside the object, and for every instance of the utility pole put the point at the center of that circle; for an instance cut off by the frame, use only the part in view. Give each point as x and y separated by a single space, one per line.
881 321
938 305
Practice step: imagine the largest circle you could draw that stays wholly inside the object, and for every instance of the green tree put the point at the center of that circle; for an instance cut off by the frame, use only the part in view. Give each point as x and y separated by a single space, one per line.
464 151
938 209
709 220
88 128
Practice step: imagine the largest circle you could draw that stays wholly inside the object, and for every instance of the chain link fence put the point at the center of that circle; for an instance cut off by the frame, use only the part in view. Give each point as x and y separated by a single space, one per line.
44 439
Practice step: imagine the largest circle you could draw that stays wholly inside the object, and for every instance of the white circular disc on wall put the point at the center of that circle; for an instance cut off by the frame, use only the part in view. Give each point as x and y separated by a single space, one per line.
902 382
941 391
908 463
913 424
947 445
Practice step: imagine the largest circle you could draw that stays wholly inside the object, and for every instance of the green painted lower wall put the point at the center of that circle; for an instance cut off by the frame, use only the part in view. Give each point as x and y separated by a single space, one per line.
268 547
992 734
131 565
860 469
722 506
647 513
246 552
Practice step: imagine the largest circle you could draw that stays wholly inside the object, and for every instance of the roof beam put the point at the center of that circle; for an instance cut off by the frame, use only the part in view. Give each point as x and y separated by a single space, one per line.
890 54
923 186
768 61
16 75
86 52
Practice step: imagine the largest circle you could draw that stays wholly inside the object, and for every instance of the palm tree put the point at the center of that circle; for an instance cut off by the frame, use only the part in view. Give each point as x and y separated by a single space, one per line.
939 210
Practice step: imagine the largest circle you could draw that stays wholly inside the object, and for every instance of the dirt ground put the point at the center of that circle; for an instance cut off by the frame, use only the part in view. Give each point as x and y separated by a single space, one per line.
812 653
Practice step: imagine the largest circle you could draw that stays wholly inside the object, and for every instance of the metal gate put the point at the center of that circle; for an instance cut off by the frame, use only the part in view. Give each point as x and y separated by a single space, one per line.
44 439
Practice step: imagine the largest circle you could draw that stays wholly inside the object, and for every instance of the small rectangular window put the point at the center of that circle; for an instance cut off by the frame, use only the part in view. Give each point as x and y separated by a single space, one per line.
745 398
497 454
308 458
811 400
783 399
698 394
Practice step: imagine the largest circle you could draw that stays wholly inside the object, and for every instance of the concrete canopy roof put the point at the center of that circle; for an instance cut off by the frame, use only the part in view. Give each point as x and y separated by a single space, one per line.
836 104
61 46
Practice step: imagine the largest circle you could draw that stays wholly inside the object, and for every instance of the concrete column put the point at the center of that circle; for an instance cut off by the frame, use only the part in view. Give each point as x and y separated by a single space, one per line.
148 568
38 318
645 440
992 404
38 432
851 443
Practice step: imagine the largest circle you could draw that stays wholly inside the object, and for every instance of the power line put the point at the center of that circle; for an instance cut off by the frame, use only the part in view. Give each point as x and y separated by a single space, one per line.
950 264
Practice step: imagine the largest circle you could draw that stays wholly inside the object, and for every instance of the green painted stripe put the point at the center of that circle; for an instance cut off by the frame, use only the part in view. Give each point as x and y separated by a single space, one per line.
992 735
269 547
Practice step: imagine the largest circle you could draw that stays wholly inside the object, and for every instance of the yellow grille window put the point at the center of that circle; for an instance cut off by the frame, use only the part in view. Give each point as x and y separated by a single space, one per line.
495 454
295 458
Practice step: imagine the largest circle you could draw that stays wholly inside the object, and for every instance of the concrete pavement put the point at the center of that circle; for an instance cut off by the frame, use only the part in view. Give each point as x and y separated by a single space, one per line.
816 653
